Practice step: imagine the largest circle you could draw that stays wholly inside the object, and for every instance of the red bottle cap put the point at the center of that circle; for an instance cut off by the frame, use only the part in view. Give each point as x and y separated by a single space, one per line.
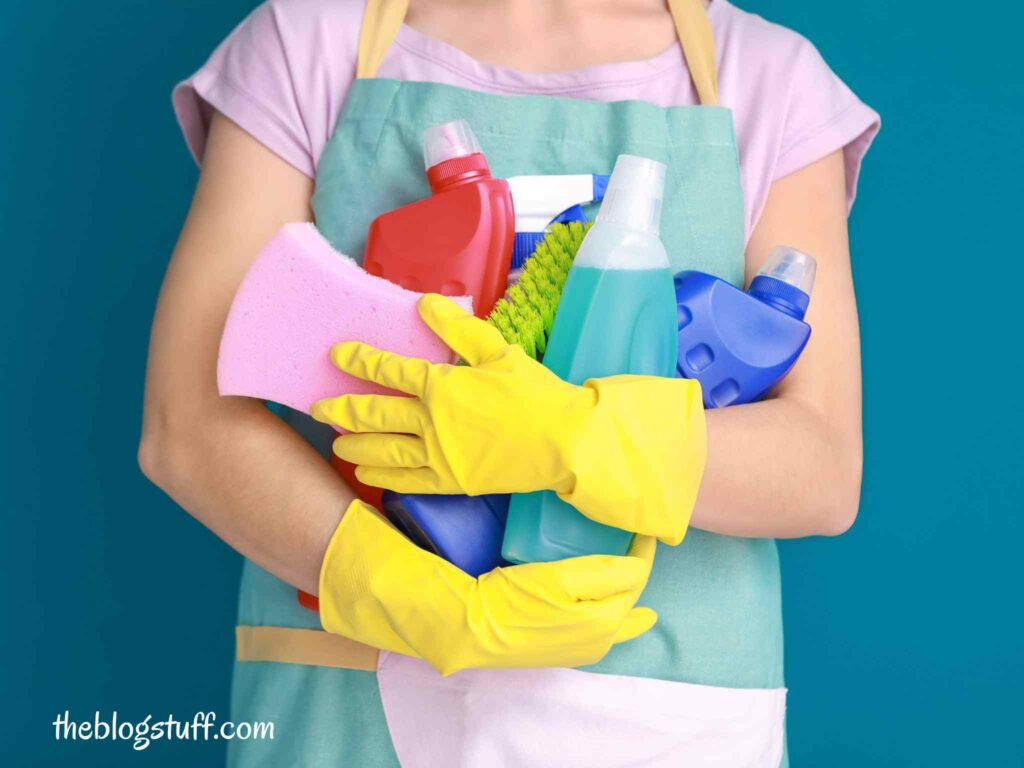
457 170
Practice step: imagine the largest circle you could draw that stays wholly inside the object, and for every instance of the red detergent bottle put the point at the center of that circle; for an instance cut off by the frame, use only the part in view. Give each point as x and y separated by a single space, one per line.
458 241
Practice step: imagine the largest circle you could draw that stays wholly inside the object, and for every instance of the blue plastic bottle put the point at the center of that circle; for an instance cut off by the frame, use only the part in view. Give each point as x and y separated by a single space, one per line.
464 530
740 344
616 315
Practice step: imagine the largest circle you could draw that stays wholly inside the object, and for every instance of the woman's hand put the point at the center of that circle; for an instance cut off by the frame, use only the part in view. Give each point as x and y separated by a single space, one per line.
484 427
380 589
627 451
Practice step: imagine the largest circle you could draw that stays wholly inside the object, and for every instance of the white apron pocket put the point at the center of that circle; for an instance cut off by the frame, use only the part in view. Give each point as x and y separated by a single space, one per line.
568 718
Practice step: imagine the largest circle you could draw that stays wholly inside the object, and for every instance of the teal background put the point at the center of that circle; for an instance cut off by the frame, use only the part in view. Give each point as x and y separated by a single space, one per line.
903 636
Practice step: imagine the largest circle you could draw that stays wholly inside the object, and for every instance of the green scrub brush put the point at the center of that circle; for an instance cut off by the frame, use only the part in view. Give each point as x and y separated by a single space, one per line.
527 312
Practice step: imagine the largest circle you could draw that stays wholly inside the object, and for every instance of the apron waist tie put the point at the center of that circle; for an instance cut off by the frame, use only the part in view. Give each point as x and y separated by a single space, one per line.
291 645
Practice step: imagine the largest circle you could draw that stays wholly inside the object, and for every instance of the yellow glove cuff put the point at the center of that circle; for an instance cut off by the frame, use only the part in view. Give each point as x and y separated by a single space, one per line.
639 460
369 561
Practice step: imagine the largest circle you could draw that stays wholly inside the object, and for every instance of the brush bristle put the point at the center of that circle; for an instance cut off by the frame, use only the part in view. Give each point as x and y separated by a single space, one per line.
527 312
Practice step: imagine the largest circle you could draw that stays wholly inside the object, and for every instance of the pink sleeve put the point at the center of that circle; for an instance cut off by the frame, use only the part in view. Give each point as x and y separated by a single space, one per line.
823 115
789 108
281 75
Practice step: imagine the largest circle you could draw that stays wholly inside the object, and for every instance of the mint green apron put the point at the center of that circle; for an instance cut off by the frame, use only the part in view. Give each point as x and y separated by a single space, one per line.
718 598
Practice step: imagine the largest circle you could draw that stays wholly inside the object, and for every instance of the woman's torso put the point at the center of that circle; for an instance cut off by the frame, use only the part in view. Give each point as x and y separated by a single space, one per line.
719 597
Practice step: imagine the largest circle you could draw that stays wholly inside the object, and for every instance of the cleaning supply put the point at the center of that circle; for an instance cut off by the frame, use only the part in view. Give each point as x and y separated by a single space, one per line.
298 298
737 344
616 315
459 240
544 200
378 588
627 450
464 530
468 530
526 314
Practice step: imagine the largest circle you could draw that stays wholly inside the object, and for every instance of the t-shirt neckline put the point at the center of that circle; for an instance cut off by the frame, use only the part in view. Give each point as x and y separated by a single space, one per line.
501 78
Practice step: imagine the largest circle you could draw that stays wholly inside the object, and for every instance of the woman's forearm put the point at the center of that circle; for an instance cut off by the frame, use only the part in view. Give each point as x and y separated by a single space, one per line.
228 460
777 469
252 480
791 465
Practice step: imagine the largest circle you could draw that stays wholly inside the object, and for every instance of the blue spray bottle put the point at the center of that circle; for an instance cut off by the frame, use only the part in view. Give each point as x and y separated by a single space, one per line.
738 344
617 315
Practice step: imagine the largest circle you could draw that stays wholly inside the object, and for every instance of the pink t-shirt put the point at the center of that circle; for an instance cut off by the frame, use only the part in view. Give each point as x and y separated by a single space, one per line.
283 74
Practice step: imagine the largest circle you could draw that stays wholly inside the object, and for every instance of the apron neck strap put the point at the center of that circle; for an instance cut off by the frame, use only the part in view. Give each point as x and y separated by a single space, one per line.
381 22
698 42
383 18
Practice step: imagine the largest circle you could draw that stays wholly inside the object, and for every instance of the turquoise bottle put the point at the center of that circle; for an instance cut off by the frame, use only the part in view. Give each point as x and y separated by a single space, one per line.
617 315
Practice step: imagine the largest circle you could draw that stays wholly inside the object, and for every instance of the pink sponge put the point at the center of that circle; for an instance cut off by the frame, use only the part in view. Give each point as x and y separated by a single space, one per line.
298 299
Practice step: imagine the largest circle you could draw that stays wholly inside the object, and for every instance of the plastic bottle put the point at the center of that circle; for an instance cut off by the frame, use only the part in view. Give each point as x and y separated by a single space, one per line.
459 240
740 344
617 315
464 530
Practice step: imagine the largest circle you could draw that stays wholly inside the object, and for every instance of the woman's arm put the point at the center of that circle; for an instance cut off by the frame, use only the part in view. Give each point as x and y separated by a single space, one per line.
228 460
790 466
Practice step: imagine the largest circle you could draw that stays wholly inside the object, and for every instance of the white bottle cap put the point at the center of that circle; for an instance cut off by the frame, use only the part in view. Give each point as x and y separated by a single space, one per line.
447 141
792 267
634 195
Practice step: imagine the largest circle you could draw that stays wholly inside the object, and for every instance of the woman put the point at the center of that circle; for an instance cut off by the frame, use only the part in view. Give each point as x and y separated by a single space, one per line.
274 115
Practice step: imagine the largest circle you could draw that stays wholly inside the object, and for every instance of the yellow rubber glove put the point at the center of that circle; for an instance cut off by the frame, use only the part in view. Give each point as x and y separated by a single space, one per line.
627 451
379 588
